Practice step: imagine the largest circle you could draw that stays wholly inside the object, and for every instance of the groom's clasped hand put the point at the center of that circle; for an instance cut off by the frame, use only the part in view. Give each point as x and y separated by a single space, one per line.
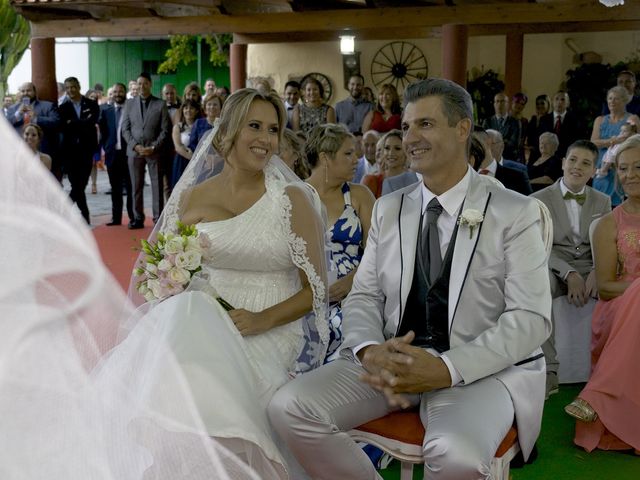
397 368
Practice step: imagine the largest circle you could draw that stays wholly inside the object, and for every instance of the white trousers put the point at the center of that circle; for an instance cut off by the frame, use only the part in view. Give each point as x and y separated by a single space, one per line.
464 425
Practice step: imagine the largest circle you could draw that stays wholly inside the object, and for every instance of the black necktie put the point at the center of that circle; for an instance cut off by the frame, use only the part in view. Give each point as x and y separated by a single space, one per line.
431 241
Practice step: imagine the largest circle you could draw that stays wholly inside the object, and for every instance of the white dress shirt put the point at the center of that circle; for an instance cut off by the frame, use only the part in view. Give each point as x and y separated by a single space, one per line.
451 202
492 167
574 209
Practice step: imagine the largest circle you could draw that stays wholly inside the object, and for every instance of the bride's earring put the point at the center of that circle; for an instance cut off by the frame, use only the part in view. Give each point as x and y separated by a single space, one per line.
326 173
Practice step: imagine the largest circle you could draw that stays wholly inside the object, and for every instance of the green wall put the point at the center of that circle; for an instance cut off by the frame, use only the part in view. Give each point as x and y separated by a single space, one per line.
112 61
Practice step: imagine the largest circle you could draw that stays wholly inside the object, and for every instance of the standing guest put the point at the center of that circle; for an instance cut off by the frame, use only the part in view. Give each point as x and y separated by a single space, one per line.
608 159
573 207
32 135
367 163
186 117
518 102
42 113
352 110
97 155
115 154
314 111
291 98
543 105
627 80
223 92
209 87
608 408
79 116
562 121
293 154
192 92
547 168
508 126
62 94
133 89
7 102
449 318
387 114
605 134
110 95
212 107
146 128
170 96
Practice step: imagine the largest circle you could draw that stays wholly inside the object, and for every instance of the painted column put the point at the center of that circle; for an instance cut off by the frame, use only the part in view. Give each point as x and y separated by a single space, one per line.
454 53
43 68
238 65
513 64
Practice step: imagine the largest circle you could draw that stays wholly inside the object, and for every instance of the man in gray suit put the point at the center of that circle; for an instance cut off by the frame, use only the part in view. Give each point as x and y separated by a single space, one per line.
573 206
449 317
146 127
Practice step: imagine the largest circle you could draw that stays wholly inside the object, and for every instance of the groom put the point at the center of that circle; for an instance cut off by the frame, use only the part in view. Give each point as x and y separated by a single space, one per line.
448 310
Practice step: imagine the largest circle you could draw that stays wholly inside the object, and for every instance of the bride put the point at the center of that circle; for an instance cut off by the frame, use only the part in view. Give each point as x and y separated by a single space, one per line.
102 397
266 260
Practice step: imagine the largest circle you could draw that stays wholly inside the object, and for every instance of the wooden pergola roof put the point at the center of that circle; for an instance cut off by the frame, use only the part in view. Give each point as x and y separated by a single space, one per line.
259 21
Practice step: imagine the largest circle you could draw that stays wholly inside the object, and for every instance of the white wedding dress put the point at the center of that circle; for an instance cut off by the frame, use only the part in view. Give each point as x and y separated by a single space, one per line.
255 261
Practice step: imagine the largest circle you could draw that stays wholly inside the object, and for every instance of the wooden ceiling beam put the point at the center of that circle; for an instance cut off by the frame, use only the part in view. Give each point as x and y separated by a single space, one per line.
339 20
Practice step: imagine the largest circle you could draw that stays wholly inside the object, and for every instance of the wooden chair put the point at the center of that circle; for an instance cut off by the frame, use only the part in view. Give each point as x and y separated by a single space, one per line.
400 434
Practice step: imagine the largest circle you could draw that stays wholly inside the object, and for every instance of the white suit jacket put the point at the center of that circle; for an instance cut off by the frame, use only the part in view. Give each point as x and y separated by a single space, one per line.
499 295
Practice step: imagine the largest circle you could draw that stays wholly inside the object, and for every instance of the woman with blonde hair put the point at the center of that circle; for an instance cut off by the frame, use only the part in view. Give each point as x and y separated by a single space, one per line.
293 154
387 115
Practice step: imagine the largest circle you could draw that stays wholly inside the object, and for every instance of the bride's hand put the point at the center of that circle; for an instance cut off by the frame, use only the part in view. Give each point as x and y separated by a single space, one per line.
250 323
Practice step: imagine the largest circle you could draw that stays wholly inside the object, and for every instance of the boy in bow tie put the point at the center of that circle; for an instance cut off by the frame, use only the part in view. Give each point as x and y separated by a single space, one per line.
573 206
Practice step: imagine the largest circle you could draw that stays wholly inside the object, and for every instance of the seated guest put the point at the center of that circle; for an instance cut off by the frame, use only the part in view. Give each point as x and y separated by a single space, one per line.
467 356
387 115
331 154
547 168
496 143
573 206
367 163
608 408
509 177
394 163
292 153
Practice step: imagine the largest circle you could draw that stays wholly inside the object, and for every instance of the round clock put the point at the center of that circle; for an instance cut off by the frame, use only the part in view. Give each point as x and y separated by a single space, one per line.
324 81
398 63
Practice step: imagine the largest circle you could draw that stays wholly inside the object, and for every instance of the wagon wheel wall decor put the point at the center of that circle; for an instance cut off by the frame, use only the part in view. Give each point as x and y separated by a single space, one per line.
398 63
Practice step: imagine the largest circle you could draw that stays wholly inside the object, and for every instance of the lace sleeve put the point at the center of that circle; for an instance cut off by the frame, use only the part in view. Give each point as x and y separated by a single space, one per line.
305 231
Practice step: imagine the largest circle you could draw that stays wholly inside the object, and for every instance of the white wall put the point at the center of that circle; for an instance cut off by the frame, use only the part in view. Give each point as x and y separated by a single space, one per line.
72 60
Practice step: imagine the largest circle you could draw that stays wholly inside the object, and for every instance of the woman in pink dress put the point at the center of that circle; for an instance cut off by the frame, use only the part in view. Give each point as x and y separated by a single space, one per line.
608 408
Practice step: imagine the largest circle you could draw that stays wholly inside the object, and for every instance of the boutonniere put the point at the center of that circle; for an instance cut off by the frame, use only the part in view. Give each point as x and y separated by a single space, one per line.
470 218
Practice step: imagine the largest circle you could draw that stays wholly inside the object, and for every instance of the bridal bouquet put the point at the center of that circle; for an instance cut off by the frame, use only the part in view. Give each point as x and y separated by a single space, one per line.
171 261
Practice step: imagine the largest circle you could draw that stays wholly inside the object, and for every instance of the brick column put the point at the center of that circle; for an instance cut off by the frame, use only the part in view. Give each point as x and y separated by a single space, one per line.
238 65
43 68
513 64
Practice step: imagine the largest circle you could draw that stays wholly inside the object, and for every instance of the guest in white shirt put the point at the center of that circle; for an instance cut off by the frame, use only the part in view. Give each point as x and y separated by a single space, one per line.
291 98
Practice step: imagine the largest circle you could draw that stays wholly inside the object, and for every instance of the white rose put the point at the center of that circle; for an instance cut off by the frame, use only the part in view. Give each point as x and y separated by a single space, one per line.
143 289
155 287
472 216
151 268
193 244
174 245
149 296
188 260
179 275
165 265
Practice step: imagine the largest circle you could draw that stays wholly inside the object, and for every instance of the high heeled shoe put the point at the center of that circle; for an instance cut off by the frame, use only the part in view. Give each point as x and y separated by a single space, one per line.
94 189
581 410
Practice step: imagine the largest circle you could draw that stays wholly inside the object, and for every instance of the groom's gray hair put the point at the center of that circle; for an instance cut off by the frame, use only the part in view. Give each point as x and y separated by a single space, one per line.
456 101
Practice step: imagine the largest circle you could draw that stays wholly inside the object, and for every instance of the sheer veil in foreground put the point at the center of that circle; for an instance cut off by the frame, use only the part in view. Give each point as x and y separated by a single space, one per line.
73 405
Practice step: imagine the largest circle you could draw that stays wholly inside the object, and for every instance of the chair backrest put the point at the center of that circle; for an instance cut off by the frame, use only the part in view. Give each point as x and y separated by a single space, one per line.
546 224
592 230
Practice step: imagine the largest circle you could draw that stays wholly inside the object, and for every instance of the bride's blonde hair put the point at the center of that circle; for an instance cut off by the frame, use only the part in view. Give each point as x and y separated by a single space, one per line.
234 114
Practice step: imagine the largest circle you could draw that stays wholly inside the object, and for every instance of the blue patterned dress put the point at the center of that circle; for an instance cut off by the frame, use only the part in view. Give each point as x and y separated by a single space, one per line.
346 240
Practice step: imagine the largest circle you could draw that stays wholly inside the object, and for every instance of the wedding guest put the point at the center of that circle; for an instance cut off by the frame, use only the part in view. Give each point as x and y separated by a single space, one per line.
353 110
543 105
518 102
508 126
627 80
313 111
562 121
573 207
368 95
291 99
170 96
608 408
192 92
606 129
209 87
608 159
212 105
186 116
469 357
547 168
387 114
32 135
223 92
293 154
394 164
367 163
331 154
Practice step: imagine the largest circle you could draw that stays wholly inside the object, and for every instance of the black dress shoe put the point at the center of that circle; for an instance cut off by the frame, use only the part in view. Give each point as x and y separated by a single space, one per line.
135 225
112 223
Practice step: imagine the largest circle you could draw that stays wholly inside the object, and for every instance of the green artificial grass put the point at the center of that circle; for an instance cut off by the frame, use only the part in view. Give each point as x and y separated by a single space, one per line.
558 457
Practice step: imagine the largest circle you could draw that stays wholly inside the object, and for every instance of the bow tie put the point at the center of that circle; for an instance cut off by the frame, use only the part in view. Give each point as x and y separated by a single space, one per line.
578 197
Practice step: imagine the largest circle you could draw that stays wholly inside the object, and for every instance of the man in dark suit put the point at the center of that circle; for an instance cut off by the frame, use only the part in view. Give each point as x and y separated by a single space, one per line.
45 114
115 153
562 121
507 125
146 127
516 180
79 116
